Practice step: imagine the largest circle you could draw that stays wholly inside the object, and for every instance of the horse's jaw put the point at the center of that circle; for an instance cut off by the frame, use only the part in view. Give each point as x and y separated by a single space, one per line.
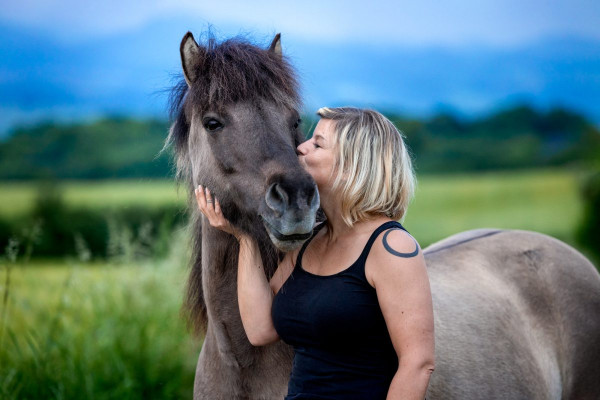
286 243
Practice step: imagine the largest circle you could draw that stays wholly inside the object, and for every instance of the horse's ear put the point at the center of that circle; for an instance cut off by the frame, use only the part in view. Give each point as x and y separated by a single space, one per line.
275 46
191 57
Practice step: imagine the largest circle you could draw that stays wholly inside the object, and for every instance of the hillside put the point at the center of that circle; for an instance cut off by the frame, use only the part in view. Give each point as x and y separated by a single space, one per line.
107 148
125 148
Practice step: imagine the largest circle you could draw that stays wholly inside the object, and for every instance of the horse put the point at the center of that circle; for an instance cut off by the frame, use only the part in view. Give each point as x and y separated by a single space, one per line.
517 314
236 128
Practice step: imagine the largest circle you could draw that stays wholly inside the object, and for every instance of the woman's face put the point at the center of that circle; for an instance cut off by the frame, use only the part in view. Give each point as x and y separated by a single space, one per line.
317 155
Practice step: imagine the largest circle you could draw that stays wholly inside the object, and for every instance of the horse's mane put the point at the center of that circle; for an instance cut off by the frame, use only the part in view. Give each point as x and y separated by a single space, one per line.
231 71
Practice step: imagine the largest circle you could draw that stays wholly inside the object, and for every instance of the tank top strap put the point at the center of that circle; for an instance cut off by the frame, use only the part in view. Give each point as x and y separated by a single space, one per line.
383 227
316 229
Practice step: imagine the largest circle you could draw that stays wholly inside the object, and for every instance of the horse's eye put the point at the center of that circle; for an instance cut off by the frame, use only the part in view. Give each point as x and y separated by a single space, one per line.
297 123
211 124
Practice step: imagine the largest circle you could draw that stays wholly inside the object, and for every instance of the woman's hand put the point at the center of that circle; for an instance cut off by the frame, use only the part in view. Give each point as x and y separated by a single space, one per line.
212 211
255 295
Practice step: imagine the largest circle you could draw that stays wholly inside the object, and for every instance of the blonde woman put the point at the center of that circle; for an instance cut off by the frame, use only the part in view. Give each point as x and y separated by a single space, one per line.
354 301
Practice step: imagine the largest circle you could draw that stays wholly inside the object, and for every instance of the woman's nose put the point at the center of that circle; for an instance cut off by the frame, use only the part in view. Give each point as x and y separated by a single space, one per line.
300 149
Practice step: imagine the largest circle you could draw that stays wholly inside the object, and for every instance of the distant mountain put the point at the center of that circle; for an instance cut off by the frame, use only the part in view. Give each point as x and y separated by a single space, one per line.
126 74
469 81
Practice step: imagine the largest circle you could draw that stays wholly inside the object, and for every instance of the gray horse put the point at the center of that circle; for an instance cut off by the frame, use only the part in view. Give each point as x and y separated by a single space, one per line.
517 314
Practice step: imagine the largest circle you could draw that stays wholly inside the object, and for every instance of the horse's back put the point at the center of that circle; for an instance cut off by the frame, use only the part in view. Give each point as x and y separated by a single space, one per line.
522 312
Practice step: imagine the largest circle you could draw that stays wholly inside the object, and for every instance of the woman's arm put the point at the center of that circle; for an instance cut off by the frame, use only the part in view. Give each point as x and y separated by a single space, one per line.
255 294
402 285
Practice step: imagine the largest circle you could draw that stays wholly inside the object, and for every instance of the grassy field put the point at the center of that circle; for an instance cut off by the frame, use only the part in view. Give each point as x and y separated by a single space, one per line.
71 330
17 198
546 201
95 331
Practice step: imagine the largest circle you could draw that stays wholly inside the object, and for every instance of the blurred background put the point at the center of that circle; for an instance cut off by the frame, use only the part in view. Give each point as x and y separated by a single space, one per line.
498 101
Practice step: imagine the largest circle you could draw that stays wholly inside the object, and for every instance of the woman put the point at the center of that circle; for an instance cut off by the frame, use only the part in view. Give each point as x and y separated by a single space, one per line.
354 301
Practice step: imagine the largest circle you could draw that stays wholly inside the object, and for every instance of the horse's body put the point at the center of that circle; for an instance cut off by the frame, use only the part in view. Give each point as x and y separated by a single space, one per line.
517 314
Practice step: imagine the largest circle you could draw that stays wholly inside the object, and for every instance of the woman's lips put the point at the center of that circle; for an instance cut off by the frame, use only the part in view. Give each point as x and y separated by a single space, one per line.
301 161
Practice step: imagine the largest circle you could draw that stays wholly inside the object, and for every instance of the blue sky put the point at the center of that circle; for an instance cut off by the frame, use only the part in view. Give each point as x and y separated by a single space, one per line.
453 22
83 59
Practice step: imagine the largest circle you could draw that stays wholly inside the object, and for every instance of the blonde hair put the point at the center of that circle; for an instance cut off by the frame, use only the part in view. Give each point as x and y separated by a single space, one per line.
373 172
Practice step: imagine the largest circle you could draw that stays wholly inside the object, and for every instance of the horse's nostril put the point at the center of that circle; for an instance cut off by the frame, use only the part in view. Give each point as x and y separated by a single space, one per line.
277 199
281 194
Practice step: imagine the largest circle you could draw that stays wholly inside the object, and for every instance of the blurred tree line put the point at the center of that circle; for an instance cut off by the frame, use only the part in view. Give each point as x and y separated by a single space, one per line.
520 137
107 148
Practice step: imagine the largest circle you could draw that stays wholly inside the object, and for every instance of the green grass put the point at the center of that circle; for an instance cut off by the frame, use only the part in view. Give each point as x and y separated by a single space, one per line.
104 331
95 331
546 201
17 198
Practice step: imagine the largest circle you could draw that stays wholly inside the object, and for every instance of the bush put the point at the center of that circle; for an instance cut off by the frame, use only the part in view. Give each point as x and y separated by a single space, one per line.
120 234
588 233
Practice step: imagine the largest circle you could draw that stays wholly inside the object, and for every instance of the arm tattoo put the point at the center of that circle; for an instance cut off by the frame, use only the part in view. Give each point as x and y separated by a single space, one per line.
394 252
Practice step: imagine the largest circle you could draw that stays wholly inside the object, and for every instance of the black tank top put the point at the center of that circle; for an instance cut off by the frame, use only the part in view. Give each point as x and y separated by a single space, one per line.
342 348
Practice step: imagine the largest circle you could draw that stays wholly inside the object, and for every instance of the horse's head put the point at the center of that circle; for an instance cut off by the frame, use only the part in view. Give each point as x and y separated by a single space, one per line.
236 129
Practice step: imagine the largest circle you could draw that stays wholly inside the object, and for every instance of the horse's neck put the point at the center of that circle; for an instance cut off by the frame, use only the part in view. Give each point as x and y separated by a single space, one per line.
219 276
229 365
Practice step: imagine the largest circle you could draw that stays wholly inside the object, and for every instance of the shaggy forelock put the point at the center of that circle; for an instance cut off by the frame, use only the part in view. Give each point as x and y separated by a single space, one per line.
235 71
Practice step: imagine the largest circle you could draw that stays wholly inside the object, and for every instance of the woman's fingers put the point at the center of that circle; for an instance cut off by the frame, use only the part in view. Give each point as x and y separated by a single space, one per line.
209 200
204 201
217 207
200 197
211 209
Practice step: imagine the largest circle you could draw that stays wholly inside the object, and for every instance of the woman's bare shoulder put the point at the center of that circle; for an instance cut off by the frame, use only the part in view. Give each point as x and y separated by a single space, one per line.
394 252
